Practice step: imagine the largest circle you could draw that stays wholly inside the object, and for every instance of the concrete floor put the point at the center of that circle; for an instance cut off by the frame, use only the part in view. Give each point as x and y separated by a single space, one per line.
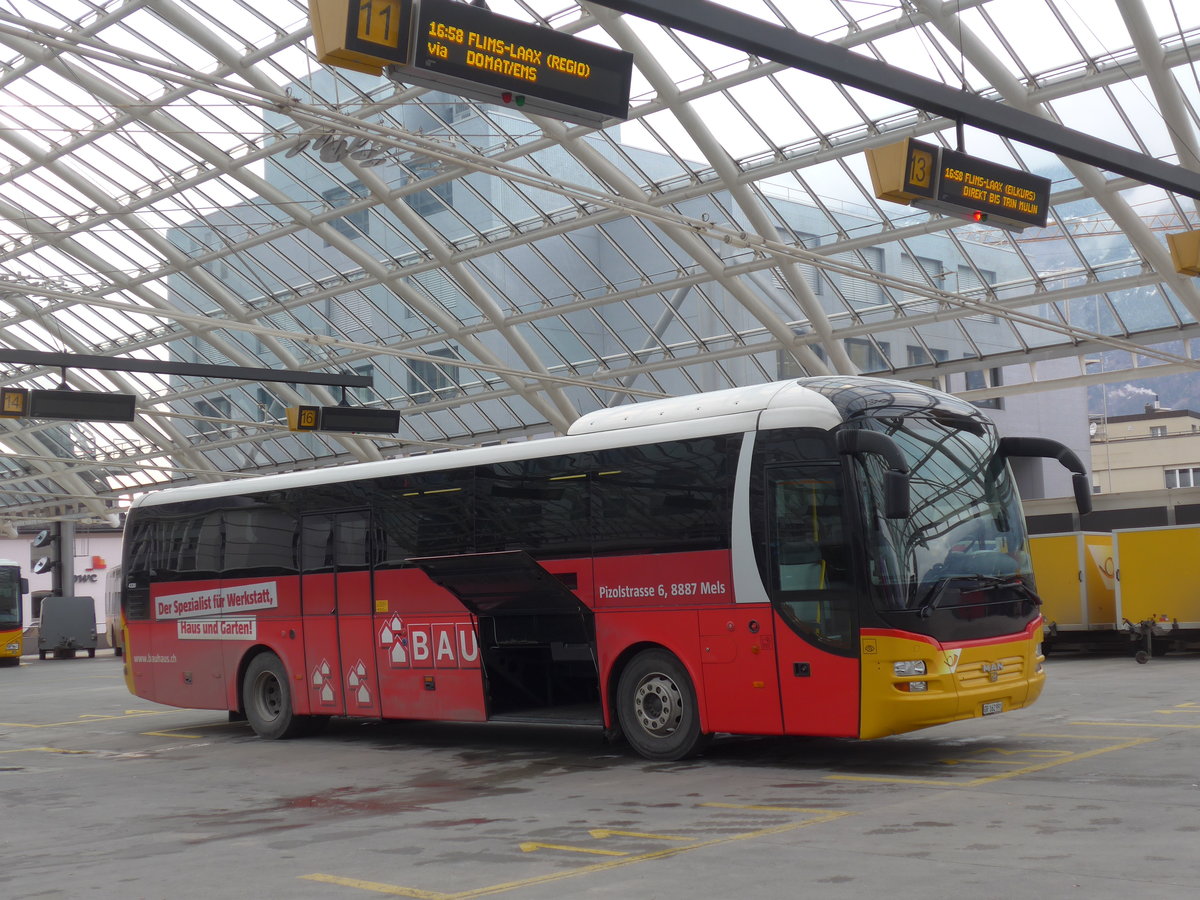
1094 792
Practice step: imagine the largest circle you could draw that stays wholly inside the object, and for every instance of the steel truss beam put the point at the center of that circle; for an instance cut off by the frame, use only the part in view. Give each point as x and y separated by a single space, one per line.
752 35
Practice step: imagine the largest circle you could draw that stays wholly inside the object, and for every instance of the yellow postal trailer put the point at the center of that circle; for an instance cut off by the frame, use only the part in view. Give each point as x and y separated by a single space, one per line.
1076 579
1158 585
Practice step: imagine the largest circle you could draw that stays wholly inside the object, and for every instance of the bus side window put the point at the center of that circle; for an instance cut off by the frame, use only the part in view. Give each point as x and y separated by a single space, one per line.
316 545
350 540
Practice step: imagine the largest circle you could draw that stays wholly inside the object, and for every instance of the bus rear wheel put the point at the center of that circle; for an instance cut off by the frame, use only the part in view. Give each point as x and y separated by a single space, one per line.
656 706
267 698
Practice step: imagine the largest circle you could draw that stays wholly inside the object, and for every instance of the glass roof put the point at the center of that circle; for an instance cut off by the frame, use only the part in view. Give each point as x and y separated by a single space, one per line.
183 181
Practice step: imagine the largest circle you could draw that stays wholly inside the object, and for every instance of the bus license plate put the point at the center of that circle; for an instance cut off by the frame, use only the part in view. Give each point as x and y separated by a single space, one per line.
994 707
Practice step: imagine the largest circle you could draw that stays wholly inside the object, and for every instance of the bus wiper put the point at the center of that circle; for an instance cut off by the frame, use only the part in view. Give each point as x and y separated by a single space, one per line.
933 596
1013 581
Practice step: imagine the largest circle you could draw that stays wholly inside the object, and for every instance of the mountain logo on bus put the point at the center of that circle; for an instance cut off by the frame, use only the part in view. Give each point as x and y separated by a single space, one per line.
322 682
360 688
440 645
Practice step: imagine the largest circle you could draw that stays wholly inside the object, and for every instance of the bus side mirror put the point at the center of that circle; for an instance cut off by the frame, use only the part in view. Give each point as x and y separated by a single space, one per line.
1083 492
895 494
895 479
24 585
1051 449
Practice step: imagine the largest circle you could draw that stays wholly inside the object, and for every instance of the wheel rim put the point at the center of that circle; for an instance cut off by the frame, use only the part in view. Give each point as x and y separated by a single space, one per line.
658 704
270 695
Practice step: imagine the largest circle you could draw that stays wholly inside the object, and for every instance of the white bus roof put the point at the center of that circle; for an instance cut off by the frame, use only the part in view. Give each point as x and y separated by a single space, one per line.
673 418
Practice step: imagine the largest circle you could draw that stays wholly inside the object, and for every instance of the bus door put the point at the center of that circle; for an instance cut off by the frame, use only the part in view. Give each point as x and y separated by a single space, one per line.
338 605
811 583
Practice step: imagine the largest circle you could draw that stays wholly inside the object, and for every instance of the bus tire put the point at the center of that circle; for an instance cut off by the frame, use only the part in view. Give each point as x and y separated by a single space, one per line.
656 706
267 698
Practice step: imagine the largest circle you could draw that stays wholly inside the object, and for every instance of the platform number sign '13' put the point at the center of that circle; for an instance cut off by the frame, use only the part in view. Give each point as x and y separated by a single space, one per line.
921 168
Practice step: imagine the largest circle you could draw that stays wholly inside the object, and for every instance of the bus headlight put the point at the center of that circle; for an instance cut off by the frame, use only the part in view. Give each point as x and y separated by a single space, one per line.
906 668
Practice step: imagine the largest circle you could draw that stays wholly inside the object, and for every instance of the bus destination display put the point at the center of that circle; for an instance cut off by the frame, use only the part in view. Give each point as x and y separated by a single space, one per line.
454 43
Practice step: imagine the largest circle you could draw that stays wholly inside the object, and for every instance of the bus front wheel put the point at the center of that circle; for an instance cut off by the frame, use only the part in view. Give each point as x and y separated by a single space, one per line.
656 706
267 698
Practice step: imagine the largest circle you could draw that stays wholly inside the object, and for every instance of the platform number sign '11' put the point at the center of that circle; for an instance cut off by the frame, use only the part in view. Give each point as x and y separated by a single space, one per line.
363 35
381 28
380 21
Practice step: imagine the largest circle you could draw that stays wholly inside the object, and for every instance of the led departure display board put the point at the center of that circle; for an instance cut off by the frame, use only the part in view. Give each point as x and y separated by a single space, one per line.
350 419
932 177
493 57
474 52
78 406
1001 191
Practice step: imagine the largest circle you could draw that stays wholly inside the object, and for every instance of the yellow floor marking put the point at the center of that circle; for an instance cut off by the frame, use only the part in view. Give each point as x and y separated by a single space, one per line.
44 750
88 719
530 846
800 809
180 734
1076 737
1134 725
976 759
374 886
988 779
602 833
395 890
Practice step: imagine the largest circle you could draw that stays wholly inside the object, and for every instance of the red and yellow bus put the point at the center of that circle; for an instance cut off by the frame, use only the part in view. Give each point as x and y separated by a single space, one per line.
12 632
838 556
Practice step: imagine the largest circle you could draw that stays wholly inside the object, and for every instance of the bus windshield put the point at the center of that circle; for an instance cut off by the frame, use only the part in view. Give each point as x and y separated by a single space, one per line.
962 554
10 597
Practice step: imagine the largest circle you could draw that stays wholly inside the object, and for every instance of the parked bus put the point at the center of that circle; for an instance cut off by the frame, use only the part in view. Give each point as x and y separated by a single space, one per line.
12 633
113 626
839 556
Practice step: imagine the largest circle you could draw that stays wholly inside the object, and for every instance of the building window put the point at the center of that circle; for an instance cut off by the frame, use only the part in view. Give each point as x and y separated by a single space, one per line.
354 224
270 409
213 408
1158 431
429 380
364 394
971 284
921 270
920 356
435 199
869 356
861 292
981 379
1180 478
808 271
